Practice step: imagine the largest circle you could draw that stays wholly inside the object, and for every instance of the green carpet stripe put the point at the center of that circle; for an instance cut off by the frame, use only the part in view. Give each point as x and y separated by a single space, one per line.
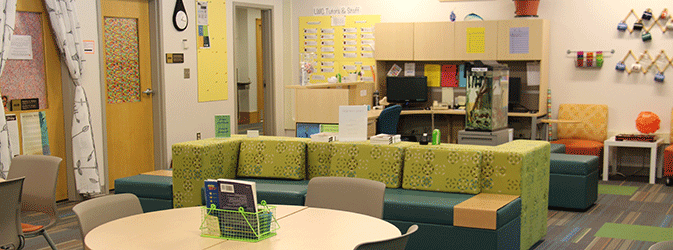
634 232
618 190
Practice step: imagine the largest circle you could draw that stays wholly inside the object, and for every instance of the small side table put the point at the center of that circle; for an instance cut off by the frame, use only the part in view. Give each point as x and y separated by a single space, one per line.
653 146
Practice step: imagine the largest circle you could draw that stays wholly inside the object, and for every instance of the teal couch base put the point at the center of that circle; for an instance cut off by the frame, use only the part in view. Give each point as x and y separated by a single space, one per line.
287 192
154 192
573 191
442 237
151 204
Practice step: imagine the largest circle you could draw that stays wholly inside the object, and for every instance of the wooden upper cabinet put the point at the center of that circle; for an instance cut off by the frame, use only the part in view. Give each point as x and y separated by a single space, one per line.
394 41
434 41
523 39
476 40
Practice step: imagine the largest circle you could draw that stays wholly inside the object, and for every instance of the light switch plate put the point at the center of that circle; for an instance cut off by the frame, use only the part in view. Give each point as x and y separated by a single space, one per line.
186 73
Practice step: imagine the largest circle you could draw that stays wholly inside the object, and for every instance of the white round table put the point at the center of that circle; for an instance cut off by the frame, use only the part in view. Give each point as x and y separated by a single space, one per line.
300 228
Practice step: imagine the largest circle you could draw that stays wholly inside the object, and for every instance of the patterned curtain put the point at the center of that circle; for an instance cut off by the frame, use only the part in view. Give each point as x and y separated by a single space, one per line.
65 24
7 20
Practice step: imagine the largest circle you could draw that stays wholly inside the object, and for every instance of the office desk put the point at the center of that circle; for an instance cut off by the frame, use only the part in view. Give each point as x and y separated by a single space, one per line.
448 121
300 228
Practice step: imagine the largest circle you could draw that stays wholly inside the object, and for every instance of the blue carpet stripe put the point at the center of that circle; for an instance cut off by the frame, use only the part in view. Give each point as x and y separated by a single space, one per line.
571 234
665 222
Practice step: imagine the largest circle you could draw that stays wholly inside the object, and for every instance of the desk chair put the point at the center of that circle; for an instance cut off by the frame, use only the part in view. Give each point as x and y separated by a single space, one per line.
11 236
388 119
357 195
98 211
397 243
585 137
39 190
668 158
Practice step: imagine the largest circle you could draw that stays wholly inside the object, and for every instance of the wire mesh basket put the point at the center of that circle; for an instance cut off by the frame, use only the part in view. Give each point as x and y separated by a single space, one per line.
239 225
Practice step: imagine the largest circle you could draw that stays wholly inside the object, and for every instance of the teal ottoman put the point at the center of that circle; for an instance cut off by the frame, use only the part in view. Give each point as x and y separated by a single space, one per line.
154 192
573 181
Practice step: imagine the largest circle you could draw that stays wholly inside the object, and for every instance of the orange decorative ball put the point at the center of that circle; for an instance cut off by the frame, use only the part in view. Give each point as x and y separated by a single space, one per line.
647 122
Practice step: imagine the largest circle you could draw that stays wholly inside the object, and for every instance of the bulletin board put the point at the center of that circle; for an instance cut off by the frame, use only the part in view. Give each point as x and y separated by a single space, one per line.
25 78
342 44
211 51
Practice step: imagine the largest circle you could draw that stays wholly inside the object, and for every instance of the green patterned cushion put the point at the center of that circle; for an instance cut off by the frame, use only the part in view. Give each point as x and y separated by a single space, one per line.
195 161
444 168
369 161
318 158
273 157
521 168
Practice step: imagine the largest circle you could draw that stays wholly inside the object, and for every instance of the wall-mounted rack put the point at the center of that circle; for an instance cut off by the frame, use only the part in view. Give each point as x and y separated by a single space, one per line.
638 67
605 52
663 20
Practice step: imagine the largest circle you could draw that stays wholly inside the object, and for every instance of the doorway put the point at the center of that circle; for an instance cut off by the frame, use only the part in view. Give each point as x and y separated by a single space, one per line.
252 66
128 88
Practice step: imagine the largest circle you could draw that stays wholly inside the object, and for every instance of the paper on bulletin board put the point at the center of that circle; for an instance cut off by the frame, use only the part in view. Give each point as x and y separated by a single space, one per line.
13 130
339 45
433 72
476 40
21 48
353 123
202 13
449 78
34 133
533 73
211 69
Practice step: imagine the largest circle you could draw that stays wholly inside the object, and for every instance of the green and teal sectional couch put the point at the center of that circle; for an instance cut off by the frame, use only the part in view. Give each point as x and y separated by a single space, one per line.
424 183
573 179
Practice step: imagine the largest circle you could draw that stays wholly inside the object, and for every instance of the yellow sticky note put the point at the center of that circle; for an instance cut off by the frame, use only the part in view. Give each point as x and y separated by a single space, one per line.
433 72
476 40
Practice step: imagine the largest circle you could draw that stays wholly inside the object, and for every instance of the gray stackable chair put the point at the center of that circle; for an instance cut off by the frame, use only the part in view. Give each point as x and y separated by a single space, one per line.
347 194
662 245
39 190
98 211
11 236
397 243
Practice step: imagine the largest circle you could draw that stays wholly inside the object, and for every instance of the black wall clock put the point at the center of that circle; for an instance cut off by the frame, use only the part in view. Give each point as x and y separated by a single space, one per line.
180 19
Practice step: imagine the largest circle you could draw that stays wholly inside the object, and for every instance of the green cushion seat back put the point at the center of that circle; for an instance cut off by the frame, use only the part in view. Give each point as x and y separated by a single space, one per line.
196 161
521 168
369 161
273 157
452 168
318 158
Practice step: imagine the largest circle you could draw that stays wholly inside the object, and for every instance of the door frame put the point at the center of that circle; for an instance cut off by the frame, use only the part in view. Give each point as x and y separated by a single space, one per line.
154 7
267 41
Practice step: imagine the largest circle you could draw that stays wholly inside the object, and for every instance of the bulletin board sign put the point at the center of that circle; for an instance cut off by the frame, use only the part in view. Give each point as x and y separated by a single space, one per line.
211 52
342 44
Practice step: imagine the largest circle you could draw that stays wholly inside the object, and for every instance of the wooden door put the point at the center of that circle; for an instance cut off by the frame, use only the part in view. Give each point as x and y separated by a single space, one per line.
130 148
260 71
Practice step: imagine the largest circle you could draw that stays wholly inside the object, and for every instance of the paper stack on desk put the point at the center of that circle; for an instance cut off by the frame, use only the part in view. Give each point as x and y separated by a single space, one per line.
385 139
324 137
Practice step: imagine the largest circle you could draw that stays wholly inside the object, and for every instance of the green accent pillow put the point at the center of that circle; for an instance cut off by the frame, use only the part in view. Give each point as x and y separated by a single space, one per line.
450 168
196 161
273 157
369 161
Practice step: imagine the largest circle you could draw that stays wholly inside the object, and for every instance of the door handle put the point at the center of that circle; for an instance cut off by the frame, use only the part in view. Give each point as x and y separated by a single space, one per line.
148 92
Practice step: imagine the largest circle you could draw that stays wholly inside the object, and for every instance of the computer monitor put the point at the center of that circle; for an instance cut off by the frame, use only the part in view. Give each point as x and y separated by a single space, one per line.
514 98
407 89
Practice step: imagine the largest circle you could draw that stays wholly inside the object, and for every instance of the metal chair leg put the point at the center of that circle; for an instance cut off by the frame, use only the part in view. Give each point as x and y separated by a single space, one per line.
49 241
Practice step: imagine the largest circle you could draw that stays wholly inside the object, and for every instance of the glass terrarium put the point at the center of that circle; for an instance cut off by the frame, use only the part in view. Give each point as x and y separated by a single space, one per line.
487 93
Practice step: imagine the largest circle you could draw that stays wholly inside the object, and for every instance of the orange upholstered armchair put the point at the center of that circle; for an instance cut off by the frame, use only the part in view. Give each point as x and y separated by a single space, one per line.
668 158
586 136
